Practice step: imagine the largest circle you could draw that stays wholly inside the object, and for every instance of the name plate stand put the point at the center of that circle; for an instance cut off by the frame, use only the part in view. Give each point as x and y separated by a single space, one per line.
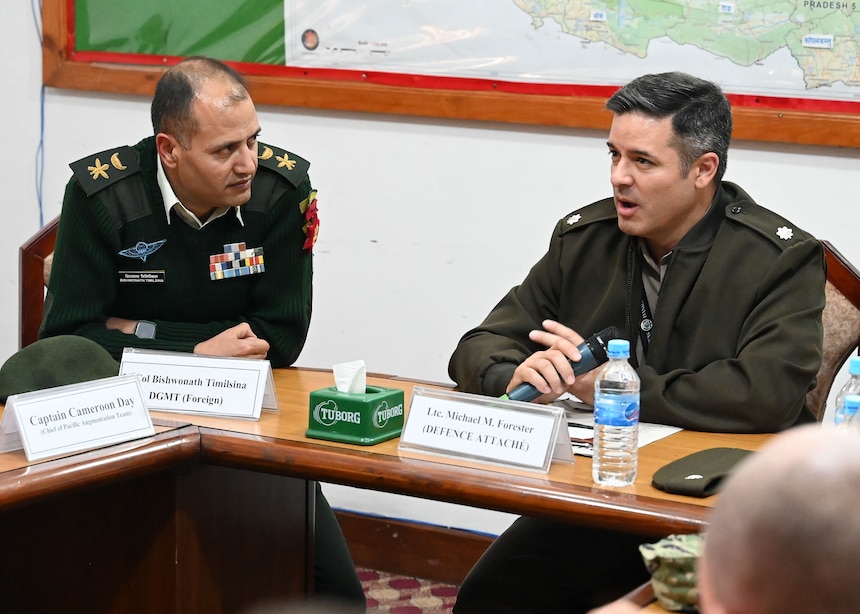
484 429
203 385
70 419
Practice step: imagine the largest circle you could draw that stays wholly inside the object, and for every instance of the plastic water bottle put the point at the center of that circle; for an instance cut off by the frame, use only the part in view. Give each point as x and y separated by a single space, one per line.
852 386
852 416
616 419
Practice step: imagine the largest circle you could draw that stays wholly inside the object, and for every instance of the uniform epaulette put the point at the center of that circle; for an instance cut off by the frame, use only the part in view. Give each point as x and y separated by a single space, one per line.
767 223
98 171
596 212
290 166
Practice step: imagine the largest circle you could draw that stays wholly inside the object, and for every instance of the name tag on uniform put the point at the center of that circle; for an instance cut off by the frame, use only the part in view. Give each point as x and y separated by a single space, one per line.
141 277
207 385
73 418
479 428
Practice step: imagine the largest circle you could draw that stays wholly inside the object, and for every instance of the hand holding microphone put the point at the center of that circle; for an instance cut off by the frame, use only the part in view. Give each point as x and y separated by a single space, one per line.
593 351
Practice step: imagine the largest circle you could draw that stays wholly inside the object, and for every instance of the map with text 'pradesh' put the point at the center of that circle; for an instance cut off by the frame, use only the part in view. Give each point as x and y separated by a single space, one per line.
822 35
797 48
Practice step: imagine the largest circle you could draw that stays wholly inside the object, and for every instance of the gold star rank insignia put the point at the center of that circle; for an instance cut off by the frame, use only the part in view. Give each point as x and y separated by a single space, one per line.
288 165
98 169
94 175
285 161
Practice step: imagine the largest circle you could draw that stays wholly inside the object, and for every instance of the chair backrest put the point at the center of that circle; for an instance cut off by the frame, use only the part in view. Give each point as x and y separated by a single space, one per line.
841 319
31 294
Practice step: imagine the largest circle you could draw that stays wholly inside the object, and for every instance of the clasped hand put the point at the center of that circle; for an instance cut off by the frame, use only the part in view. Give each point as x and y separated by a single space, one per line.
549 370
238 341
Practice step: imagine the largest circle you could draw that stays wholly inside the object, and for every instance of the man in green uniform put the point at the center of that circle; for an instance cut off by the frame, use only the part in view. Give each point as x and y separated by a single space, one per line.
197 239
720 297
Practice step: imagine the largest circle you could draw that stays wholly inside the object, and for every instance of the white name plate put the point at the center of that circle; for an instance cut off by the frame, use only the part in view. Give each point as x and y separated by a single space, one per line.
203 385
479 428
69 419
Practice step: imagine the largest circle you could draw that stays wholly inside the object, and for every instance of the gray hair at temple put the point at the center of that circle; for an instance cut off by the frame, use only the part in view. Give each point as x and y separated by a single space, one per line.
172 110
701 113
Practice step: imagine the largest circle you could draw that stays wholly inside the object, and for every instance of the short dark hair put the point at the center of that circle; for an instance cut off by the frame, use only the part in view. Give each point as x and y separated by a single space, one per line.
701 113
171 109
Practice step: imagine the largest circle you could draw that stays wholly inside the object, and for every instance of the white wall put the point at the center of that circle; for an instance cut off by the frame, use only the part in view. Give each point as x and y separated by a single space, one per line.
425 223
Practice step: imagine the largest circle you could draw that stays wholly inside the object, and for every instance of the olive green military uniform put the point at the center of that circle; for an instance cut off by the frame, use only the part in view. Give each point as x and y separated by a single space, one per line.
736 337
117 254
734 346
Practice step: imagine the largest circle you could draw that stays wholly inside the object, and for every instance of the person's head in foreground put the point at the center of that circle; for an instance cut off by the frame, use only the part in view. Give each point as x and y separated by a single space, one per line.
784 536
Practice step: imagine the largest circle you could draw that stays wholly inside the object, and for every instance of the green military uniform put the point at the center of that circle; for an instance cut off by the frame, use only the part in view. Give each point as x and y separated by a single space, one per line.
117 255
735 343
736 337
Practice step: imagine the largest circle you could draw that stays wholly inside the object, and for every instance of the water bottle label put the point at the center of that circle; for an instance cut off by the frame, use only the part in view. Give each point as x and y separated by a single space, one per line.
844 415
620 410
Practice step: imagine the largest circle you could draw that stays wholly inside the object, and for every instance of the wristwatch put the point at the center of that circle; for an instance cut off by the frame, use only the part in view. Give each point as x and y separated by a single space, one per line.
144 329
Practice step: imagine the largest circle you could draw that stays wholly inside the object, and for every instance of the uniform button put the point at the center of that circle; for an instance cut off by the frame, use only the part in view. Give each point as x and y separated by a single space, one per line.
737 209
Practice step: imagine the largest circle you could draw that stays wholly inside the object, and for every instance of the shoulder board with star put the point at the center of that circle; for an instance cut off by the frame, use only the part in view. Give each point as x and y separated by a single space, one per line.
98 171
765 222
290 166
596 212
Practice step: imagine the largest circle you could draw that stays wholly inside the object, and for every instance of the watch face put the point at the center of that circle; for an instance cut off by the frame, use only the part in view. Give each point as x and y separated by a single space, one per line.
145 330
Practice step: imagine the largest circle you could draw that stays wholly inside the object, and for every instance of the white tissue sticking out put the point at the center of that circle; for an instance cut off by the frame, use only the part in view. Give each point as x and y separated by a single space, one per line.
351 376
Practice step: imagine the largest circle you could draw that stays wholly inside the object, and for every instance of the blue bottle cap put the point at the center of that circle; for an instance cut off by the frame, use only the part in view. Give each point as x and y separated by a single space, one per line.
854 365
618 348
851 403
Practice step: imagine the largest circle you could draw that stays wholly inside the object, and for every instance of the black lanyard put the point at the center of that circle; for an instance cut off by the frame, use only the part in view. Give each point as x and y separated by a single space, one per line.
645 320
646 323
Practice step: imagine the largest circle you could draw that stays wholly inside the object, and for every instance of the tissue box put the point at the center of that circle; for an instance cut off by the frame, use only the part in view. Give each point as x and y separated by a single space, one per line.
349 417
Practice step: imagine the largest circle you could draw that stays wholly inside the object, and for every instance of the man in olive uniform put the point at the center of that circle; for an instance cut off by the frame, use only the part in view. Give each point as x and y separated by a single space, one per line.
720 298
197 239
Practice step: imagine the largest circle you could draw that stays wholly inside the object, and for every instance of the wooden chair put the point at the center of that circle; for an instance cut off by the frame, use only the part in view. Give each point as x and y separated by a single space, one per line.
31 294
841 319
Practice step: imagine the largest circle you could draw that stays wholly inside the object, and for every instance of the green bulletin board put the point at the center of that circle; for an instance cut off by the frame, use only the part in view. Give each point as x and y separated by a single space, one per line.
247 31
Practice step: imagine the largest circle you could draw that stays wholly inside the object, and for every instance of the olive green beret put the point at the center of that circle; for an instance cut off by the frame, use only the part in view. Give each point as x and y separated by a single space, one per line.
55 361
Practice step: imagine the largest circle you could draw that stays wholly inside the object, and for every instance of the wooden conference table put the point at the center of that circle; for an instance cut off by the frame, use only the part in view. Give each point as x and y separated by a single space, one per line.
214 514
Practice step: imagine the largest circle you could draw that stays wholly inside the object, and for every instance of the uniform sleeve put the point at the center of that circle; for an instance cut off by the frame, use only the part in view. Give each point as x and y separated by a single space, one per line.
79 292
487 356
762 388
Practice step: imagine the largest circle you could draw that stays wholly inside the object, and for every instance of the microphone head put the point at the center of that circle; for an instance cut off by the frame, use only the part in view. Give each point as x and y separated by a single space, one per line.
598 341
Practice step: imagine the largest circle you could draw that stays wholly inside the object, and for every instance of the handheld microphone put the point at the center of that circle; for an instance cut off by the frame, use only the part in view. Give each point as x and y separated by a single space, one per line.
593 352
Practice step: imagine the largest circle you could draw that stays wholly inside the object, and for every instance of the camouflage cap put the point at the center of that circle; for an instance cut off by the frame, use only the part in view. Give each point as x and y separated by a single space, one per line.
672 564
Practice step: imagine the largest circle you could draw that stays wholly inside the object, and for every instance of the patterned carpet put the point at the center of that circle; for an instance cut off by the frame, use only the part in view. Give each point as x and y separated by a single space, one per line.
402 595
